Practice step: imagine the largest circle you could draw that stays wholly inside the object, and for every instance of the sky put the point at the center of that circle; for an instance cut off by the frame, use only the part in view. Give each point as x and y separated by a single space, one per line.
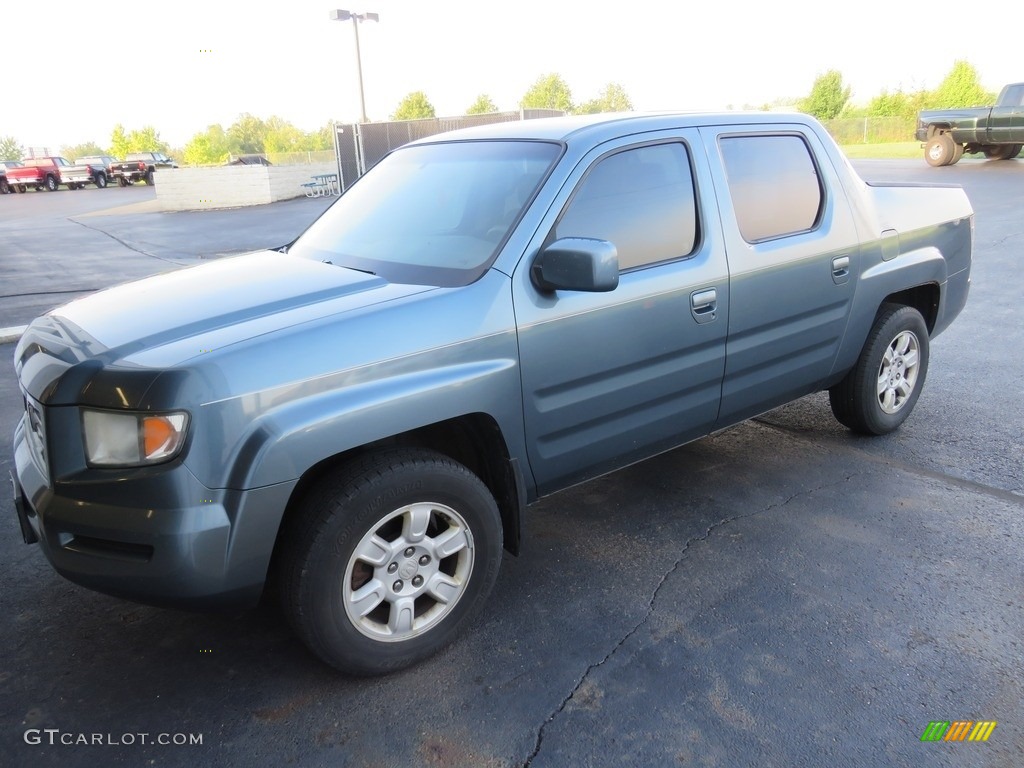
186 65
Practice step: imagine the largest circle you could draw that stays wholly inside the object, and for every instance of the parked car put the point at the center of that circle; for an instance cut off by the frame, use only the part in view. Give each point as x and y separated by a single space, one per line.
79 174
99 168
141 166
997 132
5 188
486 317
38 173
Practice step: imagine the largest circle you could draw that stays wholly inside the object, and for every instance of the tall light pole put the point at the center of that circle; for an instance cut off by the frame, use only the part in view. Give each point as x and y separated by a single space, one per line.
356 18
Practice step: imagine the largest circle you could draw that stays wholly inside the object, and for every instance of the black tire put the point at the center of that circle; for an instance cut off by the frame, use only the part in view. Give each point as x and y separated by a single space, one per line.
22 189
377 496
101 180
958 152
1016 150
122 181
73 187
149 178
5 188
939 149
999 151
50 183
856 401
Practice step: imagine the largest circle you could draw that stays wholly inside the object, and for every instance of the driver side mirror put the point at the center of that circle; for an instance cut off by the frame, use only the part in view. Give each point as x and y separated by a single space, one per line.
577 264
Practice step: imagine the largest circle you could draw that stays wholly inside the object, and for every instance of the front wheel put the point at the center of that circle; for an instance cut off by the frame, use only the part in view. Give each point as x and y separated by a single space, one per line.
386 563
149 178
882 389
1015 150
122 181
4 187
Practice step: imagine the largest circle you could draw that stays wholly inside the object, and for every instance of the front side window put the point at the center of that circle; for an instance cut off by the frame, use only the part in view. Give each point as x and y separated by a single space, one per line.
431 214
774 185
641 200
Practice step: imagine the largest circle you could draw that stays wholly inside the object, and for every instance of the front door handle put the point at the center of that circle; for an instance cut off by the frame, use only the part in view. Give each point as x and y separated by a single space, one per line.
704 305
840 269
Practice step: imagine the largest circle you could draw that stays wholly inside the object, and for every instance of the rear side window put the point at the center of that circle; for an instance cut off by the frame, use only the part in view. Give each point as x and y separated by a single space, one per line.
641 200
774 185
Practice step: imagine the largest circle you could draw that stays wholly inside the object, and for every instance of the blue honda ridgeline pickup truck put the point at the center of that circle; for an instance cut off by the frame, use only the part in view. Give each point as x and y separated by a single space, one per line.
486 317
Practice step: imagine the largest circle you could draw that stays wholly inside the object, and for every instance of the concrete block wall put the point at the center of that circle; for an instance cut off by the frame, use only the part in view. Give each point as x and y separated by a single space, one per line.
232 186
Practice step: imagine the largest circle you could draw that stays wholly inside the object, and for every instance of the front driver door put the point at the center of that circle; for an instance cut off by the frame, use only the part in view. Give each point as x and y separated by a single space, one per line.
610 378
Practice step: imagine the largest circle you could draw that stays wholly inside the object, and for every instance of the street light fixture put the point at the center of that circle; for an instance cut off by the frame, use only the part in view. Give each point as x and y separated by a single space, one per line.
356 18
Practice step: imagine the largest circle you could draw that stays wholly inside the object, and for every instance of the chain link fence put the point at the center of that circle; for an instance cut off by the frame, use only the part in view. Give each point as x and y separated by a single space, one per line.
871 130
300 158
360 146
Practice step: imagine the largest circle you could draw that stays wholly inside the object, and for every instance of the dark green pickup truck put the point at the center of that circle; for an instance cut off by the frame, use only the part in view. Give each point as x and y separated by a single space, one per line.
996 131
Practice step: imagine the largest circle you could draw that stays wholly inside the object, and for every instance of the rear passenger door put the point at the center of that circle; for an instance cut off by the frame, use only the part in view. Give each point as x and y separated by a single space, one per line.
793 255
610 378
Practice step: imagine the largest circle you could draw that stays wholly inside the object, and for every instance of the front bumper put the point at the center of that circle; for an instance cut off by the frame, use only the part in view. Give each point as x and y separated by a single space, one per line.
158 537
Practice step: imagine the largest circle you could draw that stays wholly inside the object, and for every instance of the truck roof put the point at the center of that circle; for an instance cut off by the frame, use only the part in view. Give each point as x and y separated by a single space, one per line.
613 124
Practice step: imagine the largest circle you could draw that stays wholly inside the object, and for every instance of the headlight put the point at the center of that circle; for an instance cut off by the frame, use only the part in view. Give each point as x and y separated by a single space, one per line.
118 439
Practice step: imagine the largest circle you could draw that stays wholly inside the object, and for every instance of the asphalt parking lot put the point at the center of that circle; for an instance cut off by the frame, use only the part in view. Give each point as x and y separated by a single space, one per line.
782 593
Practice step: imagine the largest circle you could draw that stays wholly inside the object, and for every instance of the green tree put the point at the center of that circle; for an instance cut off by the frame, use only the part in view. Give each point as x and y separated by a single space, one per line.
482 105
10 149
961 88
146 139
885 104
82 150
548 92
207 148
414 106
612 99
827 98
119 144
321 139
282 136
247 135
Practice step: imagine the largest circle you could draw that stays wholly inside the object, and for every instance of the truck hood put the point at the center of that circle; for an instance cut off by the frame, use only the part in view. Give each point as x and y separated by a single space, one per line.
164 320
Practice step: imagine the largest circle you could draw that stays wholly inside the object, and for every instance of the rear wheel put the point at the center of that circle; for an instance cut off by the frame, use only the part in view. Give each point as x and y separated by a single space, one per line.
1016 150
1000 151
939 150
882 389
388 561
4 186
958 152
122 181
51 184
101 180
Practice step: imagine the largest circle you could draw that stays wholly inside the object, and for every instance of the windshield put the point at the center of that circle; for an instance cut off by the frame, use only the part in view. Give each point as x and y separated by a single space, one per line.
432 214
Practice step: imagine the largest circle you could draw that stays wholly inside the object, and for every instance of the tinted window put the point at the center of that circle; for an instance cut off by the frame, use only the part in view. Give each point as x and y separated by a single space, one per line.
641 200
774 185
432 214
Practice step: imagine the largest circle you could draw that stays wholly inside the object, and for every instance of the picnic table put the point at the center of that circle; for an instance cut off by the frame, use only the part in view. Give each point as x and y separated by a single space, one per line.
322 184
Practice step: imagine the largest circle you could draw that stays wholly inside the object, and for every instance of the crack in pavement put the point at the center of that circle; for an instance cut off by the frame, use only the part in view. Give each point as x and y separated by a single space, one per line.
128 245
539 742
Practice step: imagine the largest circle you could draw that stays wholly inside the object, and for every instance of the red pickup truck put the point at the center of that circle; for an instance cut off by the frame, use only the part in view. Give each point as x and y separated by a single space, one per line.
38 172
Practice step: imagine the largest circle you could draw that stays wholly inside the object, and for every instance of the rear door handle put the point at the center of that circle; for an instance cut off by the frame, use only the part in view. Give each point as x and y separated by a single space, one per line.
840 269
704 305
